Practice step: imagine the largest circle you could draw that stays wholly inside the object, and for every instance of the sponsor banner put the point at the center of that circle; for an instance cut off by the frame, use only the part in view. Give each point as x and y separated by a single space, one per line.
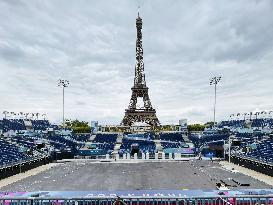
139 193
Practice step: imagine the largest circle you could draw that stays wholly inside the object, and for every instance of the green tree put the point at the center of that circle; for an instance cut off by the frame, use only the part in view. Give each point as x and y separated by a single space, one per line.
78 126
196 127
209 124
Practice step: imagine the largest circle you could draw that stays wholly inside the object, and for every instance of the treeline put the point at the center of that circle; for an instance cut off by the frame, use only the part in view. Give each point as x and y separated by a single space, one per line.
200 127
78 126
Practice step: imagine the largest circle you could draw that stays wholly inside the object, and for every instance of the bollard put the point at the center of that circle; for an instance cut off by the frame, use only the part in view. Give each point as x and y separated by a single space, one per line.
107 156
124 156
117 156
178 155
135 156
147 155
128 156
142 155
163 155
156 156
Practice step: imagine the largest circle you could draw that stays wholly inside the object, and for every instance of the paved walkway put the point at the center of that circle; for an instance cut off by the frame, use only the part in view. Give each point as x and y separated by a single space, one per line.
256 175
32 172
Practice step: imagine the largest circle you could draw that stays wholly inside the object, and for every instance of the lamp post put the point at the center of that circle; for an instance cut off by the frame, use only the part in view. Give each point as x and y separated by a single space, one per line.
245 114
5 114
256 114
229 147
37 115
214 81
63 84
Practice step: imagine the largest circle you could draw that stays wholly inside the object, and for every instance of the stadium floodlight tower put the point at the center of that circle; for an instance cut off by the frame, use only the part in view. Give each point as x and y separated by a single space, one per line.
63 84
214 81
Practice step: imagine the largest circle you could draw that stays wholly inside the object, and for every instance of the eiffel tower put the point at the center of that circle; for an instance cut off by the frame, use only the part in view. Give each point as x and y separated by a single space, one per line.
147 113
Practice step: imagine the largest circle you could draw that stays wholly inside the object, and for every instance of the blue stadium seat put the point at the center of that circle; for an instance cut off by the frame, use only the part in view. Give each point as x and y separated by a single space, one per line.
173 137
144 145
10 153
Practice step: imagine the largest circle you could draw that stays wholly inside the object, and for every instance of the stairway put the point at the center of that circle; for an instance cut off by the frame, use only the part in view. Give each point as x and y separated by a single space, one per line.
186 138
118 143
158 145
92 138
28 124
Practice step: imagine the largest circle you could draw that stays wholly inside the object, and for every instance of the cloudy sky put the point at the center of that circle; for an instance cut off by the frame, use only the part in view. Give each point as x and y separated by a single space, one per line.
92 44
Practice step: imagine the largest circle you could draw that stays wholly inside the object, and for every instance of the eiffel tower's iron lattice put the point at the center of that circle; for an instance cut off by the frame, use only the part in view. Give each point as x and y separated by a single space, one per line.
147 113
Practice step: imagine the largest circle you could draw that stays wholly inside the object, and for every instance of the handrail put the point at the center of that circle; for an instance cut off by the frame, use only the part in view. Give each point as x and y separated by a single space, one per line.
252 159
18 163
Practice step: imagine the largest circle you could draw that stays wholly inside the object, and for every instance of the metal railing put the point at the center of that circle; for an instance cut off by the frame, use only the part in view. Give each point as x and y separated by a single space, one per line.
20 162
142 156
256 160
141 200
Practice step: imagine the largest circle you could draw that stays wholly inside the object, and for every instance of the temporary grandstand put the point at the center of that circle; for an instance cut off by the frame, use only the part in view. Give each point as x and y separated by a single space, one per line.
153 165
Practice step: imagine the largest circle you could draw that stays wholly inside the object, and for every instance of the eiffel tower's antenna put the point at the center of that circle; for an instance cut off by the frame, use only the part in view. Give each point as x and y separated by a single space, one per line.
138 10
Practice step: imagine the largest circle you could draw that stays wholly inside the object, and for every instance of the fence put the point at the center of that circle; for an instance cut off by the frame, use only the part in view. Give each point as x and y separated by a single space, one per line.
155 200
250 163
142 156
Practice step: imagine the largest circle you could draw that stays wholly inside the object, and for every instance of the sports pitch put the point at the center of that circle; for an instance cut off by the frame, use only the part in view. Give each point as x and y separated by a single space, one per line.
105 176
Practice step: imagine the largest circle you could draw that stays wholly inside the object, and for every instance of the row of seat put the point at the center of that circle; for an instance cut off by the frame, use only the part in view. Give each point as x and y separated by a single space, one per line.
232 123
19 124
40 124
174 137
61 142
10 153
81 137
146 135
263 151
105 138
12 124
166 145
255 123
144 145
262 123
200 140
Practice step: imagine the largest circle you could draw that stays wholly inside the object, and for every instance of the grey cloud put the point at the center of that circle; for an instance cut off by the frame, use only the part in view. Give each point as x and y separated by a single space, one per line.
92 44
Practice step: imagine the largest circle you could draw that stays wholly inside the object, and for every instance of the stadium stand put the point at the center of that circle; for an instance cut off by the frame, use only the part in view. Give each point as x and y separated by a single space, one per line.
249 133
105 142
174 137
81 137
10 153
40 124
258 150
105 146
166 145
231 123
13 124
254 123
146 135
63 142
267 122
105 138
204 138
144 145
